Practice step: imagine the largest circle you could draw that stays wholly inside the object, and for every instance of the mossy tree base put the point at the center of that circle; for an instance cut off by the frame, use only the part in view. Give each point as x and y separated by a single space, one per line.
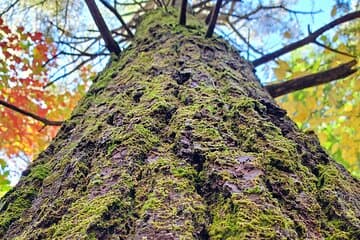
177 139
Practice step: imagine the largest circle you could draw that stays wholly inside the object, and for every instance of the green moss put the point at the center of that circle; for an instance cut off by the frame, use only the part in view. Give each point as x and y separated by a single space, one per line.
111 148
143 133
246 103
152 203
170 19
14 207
255 190
96 180
328 176
51 178
339 236
206 132
81 215
244 219
39 172
166 197
185 172
138 140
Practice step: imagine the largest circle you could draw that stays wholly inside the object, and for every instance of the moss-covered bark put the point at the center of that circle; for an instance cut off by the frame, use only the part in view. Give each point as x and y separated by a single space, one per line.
177 139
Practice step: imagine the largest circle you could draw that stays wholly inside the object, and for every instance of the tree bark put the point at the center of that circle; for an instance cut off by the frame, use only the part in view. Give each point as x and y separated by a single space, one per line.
177 139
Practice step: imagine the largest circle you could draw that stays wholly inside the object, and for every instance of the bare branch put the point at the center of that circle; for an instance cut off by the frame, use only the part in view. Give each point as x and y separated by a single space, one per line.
332 49
182 20
214 17
110 43
115 12
77 67
66 12
310 38
208 17
282 88
9 8
260 7
244 39
45 121
130 3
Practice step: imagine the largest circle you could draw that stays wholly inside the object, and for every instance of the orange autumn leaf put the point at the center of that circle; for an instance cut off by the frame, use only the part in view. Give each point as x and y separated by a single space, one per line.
22 80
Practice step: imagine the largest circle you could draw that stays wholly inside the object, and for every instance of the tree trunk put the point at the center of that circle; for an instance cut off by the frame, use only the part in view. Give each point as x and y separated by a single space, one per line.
177 139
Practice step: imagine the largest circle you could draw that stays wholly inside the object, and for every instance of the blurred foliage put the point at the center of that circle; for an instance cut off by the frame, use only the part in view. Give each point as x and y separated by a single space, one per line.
23 79
4 173
332 110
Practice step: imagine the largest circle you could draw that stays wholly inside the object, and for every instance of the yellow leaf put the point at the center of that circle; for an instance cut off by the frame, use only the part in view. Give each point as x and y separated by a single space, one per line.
287 34
333 11
299 74
348 107
280 71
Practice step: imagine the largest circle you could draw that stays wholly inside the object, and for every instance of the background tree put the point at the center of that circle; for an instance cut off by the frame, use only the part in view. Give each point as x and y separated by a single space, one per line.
334 110
201 161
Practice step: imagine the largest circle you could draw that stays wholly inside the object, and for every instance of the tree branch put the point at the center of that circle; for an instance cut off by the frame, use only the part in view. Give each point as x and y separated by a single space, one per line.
208 17
115 12
264 8
333 50
29 114
110 43
282 88
213 19
244 39
77 67
182 20
310 38
9 7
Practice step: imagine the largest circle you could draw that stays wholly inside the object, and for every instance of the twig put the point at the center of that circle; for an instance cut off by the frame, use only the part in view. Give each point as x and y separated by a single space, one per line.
232 7
130 3
29 114
116 13
165 6
9 8
213 19
282 88
66 13
182 20
261 8
159 3
244 39
248 49
110 43
77 67
208 17
332 49
310 38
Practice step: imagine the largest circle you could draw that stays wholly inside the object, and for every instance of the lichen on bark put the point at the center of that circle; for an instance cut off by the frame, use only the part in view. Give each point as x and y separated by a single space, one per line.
177 139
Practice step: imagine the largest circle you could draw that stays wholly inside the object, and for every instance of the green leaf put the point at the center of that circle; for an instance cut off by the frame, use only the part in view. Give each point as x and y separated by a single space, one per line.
3 163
